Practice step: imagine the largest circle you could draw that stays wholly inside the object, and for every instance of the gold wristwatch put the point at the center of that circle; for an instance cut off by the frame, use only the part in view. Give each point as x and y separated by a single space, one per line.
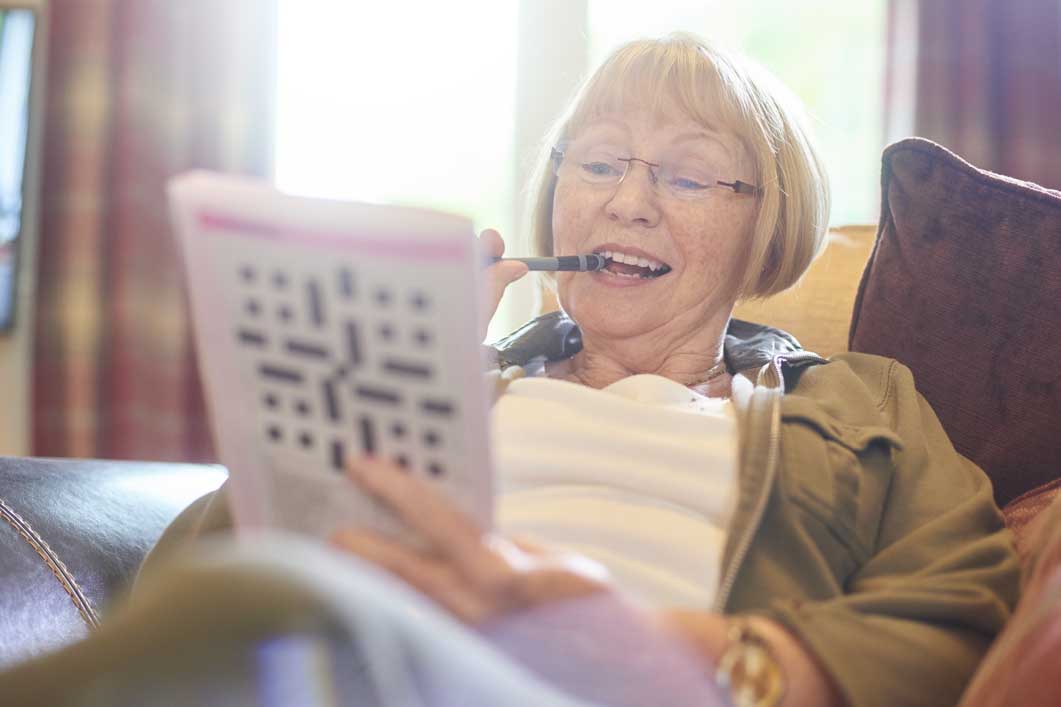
748 669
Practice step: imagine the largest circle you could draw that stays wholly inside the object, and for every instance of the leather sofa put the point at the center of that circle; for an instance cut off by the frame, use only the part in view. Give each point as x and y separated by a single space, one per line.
73 535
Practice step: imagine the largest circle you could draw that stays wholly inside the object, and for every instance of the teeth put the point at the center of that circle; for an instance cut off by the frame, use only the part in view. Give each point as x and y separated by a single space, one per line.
632 260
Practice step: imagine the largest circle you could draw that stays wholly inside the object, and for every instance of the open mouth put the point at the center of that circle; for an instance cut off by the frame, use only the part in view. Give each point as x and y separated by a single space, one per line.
626 265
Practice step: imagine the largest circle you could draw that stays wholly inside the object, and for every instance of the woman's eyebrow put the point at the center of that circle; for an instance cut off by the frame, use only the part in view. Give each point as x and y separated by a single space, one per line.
703 136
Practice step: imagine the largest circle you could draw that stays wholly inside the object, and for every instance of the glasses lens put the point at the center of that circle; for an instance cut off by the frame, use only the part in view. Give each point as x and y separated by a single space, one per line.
596 164
687 177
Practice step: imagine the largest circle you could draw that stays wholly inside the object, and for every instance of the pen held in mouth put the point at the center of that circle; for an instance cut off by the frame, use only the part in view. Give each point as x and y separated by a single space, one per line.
577 263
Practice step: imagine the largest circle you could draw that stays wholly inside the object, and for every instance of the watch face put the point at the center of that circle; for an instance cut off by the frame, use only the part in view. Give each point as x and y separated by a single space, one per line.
749 670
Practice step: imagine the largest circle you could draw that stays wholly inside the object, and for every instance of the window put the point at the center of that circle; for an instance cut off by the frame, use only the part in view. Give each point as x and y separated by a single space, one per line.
828 53
407 104
416 103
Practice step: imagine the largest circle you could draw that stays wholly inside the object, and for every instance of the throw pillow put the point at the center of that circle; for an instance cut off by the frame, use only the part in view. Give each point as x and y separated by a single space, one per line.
964 287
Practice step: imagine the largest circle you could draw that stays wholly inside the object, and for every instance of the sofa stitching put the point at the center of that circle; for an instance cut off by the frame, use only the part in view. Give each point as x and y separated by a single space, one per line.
58 568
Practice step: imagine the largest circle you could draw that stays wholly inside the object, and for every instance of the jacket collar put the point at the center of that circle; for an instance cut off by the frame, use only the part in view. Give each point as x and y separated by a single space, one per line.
747 346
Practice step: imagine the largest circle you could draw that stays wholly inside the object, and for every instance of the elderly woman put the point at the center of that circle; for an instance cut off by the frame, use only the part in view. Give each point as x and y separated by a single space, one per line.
804 525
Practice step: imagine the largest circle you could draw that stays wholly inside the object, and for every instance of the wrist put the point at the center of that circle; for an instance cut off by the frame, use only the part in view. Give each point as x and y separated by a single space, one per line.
709 634
749 669
807 681
703 630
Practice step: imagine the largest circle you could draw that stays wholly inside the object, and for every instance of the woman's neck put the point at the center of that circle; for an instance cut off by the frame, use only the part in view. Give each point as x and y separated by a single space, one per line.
695 360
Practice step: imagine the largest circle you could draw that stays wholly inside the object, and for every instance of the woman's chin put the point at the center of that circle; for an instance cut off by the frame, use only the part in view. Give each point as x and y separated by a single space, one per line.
601 318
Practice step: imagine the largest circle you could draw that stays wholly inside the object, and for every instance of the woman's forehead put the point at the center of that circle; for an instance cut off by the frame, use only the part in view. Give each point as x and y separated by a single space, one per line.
671 128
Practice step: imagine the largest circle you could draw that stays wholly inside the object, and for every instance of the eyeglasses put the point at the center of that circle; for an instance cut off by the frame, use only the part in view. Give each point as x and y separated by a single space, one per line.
682 178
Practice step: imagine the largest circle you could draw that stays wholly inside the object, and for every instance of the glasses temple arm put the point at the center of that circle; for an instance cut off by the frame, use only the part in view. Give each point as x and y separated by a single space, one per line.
741 187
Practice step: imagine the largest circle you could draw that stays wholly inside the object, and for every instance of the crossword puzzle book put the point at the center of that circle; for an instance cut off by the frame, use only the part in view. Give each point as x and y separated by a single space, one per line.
326 329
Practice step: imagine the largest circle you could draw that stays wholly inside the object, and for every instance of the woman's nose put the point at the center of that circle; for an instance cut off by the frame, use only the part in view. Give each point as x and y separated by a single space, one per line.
635 199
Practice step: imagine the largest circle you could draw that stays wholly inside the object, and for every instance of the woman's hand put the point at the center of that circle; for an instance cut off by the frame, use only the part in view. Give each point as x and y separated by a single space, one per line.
498 276
476 576
556 614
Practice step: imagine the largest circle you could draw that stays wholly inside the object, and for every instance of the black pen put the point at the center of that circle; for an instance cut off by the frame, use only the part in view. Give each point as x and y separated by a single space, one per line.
577 263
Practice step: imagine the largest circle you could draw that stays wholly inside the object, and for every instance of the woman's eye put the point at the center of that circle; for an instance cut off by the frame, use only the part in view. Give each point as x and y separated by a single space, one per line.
689 183
599 169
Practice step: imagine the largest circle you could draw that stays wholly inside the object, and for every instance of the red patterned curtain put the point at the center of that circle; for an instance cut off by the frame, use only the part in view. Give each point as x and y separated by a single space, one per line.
982 78
137 90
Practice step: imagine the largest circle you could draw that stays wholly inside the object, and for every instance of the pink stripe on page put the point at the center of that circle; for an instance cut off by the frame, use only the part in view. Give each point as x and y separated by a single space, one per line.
404 249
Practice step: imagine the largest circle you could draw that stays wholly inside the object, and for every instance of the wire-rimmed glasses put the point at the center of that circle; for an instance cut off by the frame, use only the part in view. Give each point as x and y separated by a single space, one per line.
683 178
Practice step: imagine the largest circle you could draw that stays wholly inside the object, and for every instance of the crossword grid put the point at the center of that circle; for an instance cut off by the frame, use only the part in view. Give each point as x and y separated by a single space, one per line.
313 394
329 330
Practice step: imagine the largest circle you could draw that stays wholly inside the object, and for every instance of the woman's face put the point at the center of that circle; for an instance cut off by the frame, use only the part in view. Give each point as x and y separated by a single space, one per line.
702 240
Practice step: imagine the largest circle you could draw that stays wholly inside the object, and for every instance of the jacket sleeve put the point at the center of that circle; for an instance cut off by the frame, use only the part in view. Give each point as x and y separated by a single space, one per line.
918 614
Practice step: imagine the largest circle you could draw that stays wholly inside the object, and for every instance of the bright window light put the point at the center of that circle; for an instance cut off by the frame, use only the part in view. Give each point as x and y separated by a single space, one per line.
830 54
401 103
414 103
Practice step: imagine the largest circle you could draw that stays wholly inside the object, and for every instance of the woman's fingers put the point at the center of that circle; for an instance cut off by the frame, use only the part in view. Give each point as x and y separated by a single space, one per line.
431 577
499 275
419 505
454 535
528 546
474 574
504 274
491 243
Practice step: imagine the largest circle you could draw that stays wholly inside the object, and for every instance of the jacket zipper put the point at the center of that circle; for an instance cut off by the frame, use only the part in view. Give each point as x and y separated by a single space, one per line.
773 450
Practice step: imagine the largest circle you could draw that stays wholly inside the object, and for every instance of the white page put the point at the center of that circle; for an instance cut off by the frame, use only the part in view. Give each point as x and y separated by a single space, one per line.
327 329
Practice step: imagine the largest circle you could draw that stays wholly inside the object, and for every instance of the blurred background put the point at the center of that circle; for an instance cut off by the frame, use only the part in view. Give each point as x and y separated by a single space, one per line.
430 104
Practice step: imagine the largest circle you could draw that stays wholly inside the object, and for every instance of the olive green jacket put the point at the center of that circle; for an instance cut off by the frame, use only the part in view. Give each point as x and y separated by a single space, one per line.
858 526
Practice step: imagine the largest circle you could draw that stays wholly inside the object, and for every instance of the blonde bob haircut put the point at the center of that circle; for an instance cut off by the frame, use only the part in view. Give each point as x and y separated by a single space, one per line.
723 92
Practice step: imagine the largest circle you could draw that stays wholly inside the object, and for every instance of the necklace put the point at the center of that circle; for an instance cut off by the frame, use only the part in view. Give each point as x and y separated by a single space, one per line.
712 373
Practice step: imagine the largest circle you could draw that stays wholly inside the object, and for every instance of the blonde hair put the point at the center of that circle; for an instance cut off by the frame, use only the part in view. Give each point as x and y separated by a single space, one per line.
721 91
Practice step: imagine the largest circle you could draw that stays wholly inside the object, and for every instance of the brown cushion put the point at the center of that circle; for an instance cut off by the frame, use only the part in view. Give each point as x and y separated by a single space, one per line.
964 287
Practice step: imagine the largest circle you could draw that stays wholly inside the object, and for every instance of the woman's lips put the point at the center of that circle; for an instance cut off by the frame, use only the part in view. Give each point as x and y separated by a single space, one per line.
609 279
